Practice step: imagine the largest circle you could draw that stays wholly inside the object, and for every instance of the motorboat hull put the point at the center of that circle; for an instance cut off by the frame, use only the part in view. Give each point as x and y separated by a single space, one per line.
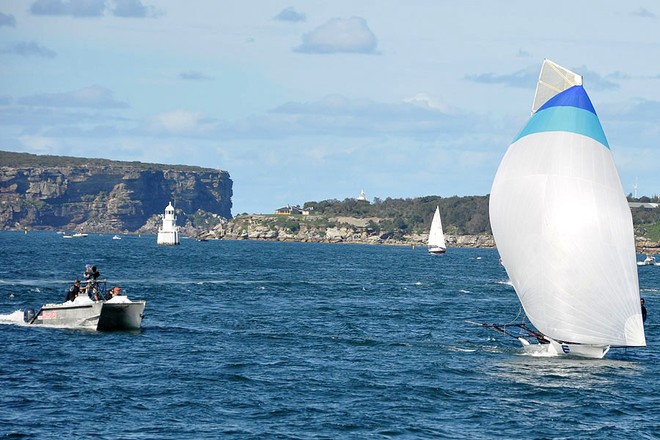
121 316
69 314
100 315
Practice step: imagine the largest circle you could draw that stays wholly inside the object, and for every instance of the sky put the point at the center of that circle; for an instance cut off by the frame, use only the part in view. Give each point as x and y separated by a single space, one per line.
314 100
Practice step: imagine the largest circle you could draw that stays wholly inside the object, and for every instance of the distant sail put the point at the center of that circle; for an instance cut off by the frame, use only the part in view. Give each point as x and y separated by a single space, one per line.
436 243
562 224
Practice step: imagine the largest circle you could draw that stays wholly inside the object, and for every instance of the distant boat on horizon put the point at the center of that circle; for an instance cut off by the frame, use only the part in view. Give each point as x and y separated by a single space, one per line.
648 261
80 234
436 242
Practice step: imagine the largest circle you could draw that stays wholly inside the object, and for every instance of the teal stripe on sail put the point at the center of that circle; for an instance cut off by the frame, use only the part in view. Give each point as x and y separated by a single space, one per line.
570 119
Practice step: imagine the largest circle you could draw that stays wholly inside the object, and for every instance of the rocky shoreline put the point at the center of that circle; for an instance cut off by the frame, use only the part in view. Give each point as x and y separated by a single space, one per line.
344 230
318 229
315 229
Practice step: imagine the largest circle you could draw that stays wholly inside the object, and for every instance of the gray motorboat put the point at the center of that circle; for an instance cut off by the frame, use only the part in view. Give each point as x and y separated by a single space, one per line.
116 313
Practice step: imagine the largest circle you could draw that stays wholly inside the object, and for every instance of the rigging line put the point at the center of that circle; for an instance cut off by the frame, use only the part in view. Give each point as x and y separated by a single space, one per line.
520 310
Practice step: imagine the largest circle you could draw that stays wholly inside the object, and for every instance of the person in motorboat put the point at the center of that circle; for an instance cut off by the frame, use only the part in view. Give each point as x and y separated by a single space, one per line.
91 276
73 292
643 310
115 291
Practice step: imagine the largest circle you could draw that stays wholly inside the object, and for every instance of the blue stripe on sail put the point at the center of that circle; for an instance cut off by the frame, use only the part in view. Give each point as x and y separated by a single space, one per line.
570 119
575 96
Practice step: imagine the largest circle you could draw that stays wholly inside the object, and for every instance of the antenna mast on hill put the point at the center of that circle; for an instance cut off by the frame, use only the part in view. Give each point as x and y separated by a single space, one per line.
635 188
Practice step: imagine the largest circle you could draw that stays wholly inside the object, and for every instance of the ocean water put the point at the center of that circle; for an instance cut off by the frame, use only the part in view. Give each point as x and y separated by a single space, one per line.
259 340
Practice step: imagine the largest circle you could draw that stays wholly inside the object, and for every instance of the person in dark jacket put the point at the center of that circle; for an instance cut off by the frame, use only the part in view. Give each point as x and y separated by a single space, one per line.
91 272
91 276
73 292
643 310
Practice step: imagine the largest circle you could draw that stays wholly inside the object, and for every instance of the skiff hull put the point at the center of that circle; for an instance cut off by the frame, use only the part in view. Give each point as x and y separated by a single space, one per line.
554 348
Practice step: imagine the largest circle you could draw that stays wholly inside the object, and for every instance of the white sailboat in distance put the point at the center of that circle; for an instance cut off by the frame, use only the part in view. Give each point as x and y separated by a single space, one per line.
436 243
563 228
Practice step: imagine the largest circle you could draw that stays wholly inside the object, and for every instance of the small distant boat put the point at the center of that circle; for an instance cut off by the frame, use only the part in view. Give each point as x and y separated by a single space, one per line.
76 235
80 234
116 237
648 261
564 230
436 243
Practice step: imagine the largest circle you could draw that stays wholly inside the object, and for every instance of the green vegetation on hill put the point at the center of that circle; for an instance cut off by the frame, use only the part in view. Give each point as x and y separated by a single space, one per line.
650 231
18 160
646 221
460 215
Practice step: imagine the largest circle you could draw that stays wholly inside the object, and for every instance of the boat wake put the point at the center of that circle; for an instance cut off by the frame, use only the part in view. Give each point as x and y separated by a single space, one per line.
15 318
505 283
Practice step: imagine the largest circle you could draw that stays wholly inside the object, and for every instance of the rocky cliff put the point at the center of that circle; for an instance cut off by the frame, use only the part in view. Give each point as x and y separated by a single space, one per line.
53 192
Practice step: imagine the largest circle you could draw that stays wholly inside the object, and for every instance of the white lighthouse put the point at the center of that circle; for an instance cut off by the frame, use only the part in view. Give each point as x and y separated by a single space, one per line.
169 233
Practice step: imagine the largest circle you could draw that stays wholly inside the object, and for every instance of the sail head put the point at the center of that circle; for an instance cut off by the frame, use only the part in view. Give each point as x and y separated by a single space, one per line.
553 79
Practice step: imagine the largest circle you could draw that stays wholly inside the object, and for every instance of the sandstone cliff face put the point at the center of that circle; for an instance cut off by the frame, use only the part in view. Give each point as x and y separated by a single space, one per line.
105 196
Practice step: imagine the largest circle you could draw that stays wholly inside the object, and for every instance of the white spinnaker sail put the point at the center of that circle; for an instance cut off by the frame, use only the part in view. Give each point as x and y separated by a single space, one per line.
436 235
552 80
564 232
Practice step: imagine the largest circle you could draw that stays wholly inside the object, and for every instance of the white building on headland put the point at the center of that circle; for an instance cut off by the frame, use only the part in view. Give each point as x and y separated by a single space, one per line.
362 197
169 233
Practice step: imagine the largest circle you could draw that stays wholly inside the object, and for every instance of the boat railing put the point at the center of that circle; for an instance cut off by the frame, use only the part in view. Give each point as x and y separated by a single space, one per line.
97 289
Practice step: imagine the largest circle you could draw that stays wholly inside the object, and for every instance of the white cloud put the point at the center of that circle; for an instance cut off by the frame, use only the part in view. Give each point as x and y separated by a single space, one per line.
423 100
290 14
7 20
134 9
39 143
90 97
644 13
29 48
194 76
94 8
525 78
351 35
75 8
176 122
337 115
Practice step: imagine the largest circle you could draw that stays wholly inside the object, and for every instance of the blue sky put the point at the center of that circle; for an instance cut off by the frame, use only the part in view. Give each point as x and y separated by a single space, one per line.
315 100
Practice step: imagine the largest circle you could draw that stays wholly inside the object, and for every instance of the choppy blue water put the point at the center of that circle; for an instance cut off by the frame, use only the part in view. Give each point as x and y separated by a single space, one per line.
294 340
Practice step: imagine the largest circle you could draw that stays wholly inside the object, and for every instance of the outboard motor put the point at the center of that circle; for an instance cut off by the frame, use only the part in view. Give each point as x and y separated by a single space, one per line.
28 315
